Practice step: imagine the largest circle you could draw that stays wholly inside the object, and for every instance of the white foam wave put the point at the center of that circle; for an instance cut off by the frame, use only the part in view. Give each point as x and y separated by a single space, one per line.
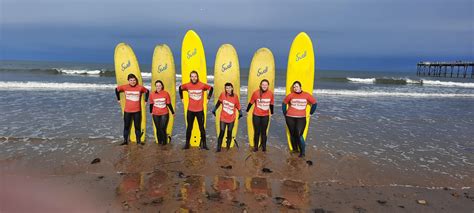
18 85
448 84
362 80
366 93
409 81
178 76
79 72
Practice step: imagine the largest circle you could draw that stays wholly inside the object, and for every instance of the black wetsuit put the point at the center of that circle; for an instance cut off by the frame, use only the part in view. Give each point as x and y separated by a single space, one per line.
190 116
127 121
260 125
161 123
296 128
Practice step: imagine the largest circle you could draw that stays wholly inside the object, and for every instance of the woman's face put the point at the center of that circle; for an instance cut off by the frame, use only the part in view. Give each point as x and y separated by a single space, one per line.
264 86
228 89
159 87
296 88
132 82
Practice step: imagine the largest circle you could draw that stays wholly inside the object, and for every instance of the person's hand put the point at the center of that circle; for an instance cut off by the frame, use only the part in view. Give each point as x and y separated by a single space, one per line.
174 114
214 112
240 115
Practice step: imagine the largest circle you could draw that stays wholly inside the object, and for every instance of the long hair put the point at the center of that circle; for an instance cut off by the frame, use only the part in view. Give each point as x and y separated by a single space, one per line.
229 84
162 85
194 71
260 86
296 82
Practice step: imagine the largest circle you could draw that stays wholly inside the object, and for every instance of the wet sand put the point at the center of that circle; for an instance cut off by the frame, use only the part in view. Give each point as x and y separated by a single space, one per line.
57 175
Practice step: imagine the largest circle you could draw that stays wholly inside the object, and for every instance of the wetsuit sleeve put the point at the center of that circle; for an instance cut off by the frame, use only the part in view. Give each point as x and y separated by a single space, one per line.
210 93
215 107
151 108
117 93
283 108
147 93
180 91
248 107
271 109
313 108
218 104
171 108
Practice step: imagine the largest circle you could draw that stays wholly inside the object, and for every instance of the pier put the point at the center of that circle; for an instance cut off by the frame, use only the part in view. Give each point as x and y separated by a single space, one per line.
457 69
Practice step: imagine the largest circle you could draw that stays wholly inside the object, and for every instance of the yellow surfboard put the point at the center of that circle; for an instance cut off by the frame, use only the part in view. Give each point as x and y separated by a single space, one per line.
262 67
193 58
300 68
126 63
162 68
226 69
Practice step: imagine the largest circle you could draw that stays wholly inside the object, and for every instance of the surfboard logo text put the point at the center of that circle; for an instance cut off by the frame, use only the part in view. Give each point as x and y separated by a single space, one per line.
162 68
261 71
125 65
298 57
226 66
191 54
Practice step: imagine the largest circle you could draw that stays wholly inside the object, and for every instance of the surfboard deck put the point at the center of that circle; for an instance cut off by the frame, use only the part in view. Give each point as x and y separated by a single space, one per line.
193 58
300 68
226 69
163 68
126 63
261 67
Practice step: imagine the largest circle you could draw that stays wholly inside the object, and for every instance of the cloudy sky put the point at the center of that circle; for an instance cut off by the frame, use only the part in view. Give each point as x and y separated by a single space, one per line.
347 34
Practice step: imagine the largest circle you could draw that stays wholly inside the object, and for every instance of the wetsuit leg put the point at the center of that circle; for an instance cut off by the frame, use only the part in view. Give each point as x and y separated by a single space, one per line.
230 128
256 131
300 125
163 125
127 124
156 122
200 119
137 122
291 123
190 120
263 132
221 135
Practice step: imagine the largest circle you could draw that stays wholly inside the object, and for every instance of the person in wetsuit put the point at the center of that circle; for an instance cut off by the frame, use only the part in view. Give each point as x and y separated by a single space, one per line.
160 104
295 116
263 100
230 104
132 111
195 89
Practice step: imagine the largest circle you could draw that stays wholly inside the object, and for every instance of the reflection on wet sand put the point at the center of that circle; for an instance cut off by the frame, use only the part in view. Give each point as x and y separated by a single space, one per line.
295 192
258 186
193 191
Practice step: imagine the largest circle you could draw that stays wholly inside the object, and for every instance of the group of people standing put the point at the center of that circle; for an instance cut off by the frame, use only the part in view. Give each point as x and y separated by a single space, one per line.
262 100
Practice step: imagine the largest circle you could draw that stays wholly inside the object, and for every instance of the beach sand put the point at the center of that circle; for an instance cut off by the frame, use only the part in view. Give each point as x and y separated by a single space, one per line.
51 175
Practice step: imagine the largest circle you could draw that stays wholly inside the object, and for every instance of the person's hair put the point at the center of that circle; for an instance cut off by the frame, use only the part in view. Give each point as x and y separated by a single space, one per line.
296 82
162 85
194 71
229 84
130 76
264 80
